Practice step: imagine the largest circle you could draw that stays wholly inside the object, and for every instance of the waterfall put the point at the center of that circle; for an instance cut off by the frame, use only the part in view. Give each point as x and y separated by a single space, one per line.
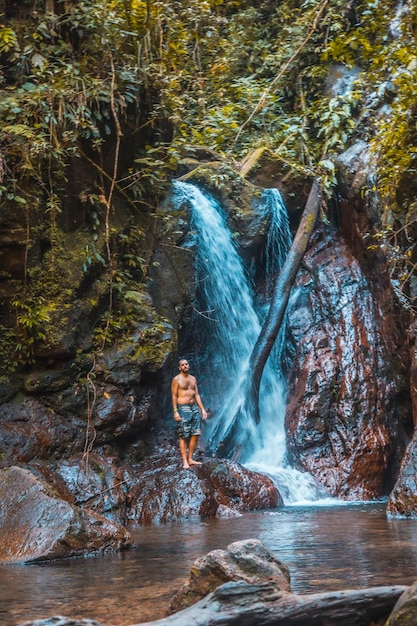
226 325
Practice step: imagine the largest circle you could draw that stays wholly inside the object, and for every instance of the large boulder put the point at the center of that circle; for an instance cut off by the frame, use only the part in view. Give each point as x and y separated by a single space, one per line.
248 561
38 526
161 490
94 481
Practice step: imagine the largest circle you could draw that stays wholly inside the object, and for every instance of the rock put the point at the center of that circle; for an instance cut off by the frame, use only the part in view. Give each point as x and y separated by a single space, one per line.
12 240
355 169
162 490
402 501
38 526
29 429
404 612
347 394
249 561
96 482
224 512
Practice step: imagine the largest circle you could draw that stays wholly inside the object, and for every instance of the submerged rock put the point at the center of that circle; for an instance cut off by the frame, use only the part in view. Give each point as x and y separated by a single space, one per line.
161 490
248 561
38 526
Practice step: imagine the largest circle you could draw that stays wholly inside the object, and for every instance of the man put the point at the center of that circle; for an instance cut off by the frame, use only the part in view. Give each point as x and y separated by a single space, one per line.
187 405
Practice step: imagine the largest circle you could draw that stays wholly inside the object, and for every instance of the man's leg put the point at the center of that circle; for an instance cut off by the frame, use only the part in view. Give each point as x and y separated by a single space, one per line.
183 452
191 449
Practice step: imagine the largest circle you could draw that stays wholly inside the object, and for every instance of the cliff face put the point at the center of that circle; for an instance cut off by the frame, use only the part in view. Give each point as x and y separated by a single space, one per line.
348 401
349 413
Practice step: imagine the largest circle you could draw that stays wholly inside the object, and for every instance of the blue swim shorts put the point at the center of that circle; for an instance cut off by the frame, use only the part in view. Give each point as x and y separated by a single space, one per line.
190 423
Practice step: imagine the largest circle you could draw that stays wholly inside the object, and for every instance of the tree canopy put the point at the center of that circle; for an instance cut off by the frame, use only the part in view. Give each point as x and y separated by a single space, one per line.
123 85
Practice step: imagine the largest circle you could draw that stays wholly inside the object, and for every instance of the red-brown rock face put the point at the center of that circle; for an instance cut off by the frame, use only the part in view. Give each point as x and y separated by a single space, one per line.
38 526
403 498
347 399
162 491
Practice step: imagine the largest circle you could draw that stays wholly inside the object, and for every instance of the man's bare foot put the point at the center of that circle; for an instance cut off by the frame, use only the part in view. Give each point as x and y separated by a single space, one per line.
192 462
185 465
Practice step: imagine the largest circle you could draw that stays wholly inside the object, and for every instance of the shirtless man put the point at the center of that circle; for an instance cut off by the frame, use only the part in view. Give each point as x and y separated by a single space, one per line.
187 405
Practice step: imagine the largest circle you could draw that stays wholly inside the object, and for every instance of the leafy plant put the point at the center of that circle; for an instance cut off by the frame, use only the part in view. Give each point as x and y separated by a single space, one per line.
32 316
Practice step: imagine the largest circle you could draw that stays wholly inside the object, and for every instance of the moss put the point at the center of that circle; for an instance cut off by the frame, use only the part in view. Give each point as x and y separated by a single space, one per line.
155 344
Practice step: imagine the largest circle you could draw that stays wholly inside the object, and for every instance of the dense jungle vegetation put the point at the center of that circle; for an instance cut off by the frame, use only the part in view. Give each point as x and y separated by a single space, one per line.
99 98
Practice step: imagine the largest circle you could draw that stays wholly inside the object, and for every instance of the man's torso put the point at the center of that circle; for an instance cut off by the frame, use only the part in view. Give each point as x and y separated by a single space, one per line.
186 389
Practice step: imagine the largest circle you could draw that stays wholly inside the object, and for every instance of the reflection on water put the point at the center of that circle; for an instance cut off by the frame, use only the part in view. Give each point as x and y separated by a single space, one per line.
326 548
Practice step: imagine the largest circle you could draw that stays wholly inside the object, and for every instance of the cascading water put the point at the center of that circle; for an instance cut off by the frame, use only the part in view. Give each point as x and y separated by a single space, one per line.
228 316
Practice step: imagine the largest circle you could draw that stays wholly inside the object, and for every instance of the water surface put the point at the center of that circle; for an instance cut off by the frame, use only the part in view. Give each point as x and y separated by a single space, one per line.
325 548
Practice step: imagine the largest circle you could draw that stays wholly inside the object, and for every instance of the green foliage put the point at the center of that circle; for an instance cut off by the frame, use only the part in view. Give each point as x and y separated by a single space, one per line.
228 75
9 44
32 317
231 75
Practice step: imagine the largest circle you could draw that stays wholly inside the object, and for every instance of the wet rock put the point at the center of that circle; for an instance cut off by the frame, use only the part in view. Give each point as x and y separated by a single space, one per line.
348 402
96 482
49 380
30 430
248 561
404 612
38 526
9 387
413 369
146 351
224 512
402 501
355 169
163 491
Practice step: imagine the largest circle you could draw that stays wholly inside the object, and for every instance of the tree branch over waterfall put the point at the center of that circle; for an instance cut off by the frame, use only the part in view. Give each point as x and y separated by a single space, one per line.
281 294
236 437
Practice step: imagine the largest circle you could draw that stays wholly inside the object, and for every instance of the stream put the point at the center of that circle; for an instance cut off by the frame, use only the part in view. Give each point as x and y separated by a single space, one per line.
328 547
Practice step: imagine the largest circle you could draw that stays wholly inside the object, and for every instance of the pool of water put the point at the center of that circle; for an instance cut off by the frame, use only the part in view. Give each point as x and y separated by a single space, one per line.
325 547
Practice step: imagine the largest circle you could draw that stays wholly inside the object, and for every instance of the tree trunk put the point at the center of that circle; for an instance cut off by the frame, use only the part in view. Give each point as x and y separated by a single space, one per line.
244 604
280 296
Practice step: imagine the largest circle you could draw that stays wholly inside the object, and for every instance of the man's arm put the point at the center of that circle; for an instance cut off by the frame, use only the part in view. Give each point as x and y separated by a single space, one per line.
174 395
200 403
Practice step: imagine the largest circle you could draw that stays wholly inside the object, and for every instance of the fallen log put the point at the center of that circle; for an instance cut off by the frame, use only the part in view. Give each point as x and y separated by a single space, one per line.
264 604
244 604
